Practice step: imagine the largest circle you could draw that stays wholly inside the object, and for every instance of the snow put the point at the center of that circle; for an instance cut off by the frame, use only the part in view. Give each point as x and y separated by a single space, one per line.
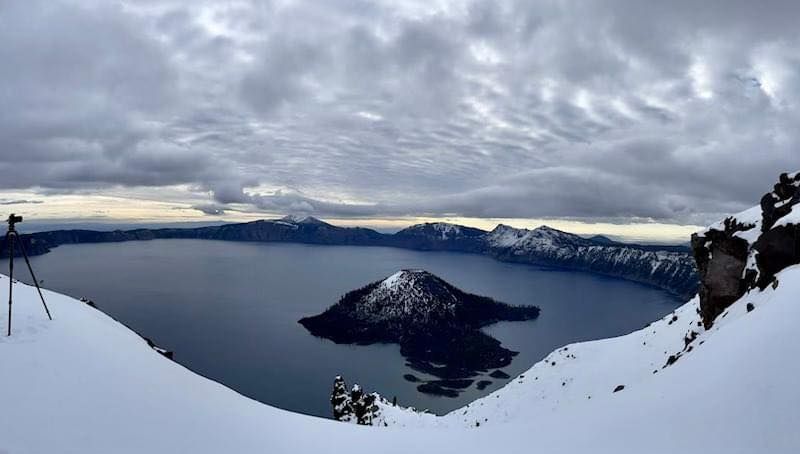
753 216
510 237
293 220
391 282
403 295
548 243
84 383
792 218
444 230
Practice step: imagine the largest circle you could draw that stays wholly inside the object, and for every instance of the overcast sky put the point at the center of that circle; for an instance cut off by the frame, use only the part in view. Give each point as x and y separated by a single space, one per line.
608 111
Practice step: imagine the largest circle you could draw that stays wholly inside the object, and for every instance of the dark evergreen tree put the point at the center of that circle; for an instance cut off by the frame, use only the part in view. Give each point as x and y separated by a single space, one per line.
359 406
340 400
365 408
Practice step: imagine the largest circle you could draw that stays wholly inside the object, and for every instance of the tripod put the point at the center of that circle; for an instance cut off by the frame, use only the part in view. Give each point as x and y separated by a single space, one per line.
9 239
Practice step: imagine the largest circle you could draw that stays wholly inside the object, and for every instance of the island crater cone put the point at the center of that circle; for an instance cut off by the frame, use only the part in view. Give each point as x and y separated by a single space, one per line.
436 324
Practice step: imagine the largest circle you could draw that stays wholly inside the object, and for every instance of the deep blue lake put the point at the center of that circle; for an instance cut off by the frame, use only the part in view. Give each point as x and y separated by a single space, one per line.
229 310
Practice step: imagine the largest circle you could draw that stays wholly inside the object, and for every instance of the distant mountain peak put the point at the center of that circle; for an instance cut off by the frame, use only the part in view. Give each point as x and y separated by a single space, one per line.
297 219
441 231
602 239
505 236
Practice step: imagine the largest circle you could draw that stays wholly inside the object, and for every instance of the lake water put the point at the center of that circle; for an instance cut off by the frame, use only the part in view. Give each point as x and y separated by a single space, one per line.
229 310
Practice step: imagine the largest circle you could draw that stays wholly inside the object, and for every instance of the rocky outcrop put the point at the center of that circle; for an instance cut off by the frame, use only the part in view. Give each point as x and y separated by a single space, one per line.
747 250
721 258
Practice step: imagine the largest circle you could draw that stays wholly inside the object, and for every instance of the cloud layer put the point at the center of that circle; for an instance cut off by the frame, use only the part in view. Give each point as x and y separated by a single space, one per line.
613 110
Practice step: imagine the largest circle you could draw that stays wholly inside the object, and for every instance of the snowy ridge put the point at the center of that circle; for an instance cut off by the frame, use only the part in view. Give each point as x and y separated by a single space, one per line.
668 267
580 379
542 238
444 230
551 247
753 217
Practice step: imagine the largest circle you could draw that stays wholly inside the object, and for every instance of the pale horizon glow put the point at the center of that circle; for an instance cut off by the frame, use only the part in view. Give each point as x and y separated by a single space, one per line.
77 209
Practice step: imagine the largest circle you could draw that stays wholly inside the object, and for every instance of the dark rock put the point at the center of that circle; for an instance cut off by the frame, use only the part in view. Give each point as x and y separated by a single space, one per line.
411 378
689 338
436 390
163 352
777 249
671 360
722 257
88 302
721 277
750 307
619 388
453 383
483 384
499 374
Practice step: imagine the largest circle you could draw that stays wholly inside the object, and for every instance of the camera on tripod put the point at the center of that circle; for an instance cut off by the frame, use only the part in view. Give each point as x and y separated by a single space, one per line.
8 246
13 219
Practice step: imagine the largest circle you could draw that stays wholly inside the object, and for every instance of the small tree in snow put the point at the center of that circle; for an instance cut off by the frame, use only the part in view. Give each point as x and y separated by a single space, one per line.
364 405
353 406
340 400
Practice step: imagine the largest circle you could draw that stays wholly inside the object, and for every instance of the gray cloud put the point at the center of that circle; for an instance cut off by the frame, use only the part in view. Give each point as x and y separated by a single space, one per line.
675 111
20 202
210 209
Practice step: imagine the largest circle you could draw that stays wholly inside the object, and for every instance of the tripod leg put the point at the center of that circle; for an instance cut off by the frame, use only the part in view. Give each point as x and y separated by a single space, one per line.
33 276
10 239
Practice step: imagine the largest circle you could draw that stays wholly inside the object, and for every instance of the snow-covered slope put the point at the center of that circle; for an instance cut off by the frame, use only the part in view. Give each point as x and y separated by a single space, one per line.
84 383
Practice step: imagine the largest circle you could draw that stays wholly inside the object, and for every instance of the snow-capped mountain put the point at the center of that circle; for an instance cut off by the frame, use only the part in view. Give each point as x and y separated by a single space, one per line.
411 301
295 219
83 383
440 236
670 268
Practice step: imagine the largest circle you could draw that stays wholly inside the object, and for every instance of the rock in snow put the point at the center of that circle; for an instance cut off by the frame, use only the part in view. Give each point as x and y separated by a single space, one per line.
747 249
84 383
